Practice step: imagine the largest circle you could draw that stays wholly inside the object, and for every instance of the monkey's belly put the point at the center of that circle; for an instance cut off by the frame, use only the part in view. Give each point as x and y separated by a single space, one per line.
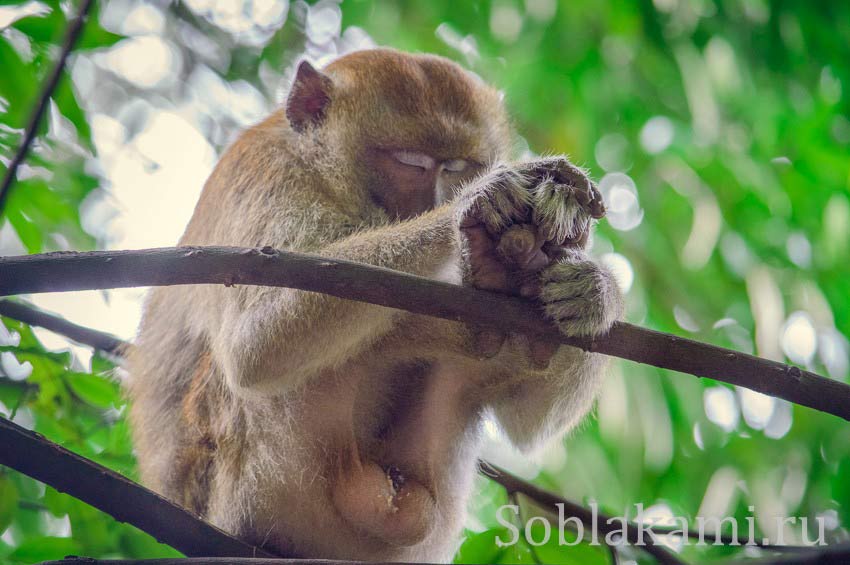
398 510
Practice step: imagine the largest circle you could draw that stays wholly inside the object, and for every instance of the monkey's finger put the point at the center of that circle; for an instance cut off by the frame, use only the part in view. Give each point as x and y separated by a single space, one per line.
522 247
488 272
540 259
541 352
478 239
588 196
517 243
567 309
504 206
536 261
471 217
492 279
597 204
558 213
488 342
578 241
586 193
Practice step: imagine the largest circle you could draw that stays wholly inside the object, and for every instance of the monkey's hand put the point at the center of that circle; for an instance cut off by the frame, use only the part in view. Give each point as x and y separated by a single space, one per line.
518 220
552 199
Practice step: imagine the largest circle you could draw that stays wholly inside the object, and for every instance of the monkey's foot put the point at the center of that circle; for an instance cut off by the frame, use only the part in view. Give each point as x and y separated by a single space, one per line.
386 504
580 296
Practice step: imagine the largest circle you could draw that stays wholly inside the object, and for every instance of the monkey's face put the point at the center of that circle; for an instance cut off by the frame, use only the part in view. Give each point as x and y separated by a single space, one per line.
412 127
406 183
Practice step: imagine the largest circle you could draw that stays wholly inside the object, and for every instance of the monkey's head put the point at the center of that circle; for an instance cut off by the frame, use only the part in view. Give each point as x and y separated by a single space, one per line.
413 127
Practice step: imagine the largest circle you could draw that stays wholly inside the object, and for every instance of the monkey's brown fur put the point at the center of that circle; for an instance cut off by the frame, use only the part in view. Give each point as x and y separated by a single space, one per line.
343 430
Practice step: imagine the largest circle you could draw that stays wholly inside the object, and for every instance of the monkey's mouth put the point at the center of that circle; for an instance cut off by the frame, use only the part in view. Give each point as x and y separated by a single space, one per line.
384 502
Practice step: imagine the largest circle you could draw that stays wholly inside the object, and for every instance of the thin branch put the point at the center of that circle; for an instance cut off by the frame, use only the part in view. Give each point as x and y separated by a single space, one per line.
549 501
384 287
71 36
106 490
100 341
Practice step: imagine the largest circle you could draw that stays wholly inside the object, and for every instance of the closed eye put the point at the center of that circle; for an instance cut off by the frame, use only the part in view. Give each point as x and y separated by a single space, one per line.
415 159
456 165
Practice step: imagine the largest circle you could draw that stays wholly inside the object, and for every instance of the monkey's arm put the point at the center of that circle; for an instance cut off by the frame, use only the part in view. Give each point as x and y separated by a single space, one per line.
542 404
272 340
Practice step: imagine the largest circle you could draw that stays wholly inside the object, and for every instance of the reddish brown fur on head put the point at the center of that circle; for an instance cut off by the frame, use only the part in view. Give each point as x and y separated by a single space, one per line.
370 104
427 102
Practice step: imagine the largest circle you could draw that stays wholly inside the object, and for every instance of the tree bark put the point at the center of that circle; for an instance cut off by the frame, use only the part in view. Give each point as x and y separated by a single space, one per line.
106 490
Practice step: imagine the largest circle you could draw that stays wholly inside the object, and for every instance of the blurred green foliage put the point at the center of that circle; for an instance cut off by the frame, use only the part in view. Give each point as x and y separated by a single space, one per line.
719 131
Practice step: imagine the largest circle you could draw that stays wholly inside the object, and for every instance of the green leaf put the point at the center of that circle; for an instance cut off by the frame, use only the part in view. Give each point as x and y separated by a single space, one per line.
57 503
11 393
94 36
101 365
18 83
553 552
36 208
45 548
66 100
43 28
90 528
841 490
137 544
481 547
8 501
97 391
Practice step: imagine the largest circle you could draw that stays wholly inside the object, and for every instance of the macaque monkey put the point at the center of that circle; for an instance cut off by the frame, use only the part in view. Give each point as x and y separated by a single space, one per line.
336 429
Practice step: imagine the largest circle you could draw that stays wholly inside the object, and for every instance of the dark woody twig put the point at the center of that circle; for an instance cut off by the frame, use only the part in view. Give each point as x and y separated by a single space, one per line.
106 490
71 36
101 341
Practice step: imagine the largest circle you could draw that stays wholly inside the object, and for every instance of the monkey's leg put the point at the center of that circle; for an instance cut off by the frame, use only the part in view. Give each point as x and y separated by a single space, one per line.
537 405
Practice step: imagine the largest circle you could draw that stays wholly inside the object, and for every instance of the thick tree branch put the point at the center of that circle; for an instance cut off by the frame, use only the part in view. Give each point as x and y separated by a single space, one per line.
71 36
344 279
106 490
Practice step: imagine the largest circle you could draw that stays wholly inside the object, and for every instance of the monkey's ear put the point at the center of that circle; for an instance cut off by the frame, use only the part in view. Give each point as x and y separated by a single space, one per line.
309 97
